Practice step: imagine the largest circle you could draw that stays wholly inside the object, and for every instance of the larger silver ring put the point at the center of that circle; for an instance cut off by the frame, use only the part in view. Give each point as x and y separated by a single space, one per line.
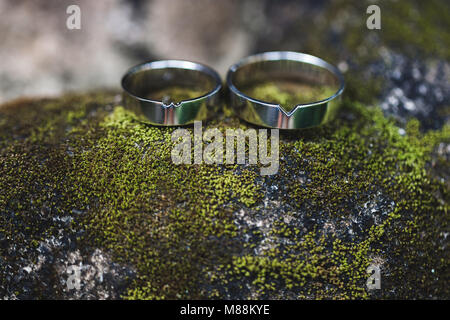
284 65
142 81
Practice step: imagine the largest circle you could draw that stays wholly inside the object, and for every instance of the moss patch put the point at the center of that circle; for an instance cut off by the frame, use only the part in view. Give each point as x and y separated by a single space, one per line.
353 193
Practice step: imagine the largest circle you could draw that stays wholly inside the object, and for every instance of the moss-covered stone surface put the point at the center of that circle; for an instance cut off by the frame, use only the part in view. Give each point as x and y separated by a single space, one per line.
83 182
350 194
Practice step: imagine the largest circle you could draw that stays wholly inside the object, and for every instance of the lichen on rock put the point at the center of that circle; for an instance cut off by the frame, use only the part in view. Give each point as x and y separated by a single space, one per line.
89 175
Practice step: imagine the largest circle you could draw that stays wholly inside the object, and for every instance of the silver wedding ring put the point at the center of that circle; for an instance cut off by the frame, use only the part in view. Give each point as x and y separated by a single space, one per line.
281 89
298 70
144 85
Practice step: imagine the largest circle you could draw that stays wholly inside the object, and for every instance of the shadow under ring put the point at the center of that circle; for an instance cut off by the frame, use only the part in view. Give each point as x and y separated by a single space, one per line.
270 66
142 81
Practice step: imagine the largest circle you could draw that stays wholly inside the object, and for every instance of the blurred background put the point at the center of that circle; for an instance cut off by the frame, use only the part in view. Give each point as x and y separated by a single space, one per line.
39 55
404 66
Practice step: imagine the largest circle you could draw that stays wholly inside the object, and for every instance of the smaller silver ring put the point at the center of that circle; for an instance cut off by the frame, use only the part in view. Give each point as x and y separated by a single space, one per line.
140 81
270 65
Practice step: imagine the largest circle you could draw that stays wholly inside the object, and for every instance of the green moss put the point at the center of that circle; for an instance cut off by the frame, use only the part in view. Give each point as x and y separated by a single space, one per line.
164 219
347 163
420 26
415 29
177 226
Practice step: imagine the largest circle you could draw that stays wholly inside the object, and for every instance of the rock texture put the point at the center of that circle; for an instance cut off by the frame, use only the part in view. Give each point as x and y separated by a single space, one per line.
85 186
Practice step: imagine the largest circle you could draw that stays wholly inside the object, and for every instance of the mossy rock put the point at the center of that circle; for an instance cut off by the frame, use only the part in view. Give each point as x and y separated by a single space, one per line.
83 182
82 178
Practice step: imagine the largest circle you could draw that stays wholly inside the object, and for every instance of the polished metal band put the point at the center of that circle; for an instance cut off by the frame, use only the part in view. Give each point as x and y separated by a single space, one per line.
279 64
141 80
